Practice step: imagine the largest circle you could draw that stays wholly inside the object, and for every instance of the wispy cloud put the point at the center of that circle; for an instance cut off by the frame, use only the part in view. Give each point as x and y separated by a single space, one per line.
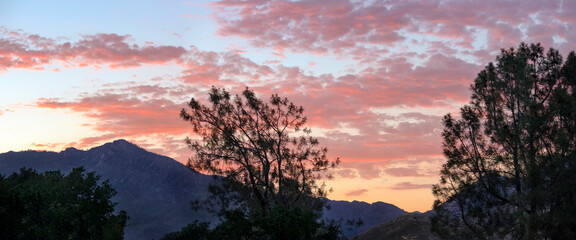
410 186
355 193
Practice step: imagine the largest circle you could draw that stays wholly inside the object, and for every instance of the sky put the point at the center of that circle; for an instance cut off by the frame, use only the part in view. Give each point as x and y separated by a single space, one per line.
374 77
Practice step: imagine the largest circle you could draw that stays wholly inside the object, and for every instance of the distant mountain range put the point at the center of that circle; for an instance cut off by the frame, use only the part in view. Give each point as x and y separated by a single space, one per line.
156 191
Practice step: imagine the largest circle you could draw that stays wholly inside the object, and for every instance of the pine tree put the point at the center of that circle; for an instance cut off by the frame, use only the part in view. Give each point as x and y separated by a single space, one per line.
511 156
262 148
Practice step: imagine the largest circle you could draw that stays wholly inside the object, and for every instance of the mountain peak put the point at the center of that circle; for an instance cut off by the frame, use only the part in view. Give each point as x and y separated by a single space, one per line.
71 150
122 141
122 144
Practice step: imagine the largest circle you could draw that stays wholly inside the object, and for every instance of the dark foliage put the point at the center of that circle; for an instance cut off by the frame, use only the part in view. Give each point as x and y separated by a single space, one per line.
195 230
280 223
51 205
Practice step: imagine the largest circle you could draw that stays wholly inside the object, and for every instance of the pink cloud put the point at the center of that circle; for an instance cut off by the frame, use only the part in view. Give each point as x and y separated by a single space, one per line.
402 172
135 111
206 67
22 50
355 193
330 101
127 111
365 170
364 30
314 26
411 186
115 49
345 173
152 122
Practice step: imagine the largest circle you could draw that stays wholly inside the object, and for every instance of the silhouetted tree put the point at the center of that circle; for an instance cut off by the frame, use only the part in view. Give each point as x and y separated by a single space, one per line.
511 166
56 206
270 166
249 142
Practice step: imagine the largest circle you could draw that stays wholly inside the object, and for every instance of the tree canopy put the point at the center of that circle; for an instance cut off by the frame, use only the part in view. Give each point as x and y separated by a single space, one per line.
511 155
262 146
269 165
51 205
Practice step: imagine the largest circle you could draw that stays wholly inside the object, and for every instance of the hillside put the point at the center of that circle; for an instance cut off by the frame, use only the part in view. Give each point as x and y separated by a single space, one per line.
156 191
410 226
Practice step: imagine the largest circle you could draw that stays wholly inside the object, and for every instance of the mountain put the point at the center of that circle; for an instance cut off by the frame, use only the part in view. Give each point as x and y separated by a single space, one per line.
156 191
414 226
370 214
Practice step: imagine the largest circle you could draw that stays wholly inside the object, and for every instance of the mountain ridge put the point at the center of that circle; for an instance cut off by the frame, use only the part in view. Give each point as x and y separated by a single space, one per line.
156 190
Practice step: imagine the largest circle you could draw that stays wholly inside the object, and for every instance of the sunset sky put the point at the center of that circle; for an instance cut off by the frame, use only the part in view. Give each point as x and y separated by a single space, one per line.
374 77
